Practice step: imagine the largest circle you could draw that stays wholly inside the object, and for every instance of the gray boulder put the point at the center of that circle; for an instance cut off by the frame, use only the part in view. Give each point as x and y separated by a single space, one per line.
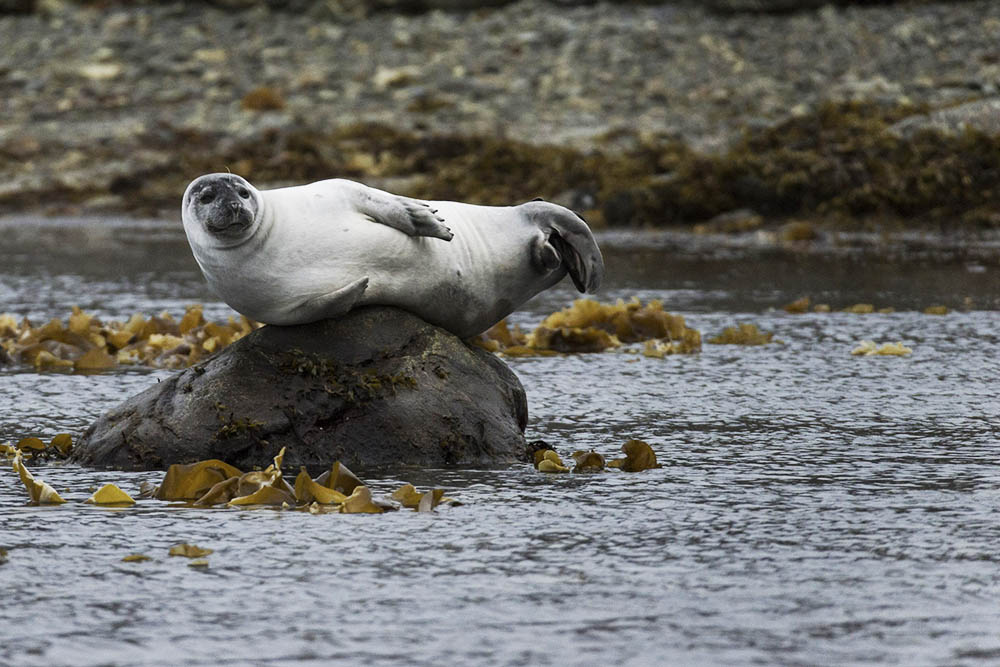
377 387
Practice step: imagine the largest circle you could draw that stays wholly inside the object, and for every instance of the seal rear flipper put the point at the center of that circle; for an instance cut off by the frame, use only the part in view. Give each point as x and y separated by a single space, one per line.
568 241
334 304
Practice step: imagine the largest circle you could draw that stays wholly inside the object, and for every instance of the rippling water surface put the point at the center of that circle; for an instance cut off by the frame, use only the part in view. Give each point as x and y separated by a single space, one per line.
813 507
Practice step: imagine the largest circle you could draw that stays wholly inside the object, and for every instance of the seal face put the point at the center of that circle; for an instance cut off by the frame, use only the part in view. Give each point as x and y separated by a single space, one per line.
300 254
225 204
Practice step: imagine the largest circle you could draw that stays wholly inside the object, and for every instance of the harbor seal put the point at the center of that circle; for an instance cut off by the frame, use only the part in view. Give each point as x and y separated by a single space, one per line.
300 254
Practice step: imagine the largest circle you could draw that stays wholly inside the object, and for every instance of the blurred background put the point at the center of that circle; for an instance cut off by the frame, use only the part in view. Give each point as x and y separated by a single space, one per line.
723 115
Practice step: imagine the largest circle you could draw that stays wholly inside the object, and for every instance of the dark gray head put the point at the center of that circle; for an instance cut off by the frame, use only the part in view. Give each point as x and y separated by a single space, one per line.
223 205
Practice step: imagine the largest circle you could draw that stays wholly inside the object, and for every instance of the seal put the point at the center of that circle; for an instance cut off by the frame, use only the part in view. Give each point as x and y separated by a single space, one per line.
300 254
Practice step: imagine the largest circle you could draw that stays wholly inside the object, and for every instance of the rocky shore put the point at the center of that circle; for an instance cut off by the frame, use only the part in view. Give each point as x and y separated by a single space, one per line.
665 113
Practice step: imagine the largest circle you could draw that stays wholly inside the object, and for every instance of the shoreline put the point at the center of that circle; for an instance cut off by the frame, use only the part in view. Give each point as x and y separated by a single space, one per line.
636 115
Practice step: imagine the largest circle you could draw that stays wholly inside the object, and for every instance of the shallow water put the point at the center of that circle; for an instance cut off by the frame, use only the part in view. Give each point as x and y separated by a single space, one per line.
813 507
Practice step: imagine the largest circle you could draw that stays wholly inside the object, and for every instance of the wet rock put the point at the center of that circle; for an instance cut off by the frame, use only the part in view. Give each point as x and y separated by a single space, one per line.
376 387
981 115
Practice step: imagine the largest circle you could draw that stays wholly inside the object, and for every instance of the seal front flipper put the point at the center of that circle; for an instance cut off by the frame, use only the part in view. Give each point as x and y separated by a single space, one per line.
410 216
334 304
566 240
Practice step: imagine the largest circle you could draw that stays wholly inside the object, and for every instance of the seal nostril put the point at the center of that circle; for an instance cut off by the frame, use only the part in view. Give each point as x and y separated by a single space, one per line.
234 205
207 197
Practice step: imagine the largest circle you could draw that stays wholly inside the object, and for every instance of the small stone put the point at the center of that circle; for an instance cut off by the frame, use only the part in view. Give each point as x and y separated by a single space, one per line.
394 77
100 71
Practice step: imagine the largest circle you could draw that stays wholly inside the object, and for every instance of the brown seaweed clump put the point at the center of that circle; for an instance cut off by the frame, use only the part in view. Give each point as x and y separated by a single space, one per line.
591 326
742 334
610 325
84 343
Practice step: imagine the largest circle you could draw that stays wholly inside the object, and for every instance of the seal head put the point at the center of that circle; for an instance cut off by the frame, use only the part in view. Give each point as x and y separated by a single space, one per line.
224 206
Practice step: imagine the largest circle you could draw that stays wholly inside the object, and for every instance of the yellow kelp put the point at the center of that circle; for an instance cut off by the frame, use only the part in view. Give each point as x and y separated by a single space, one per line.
39 492
360 502
867 348
548 461
588 461
742 334
189 551
308 490
191 481
109 494
86 344
639 456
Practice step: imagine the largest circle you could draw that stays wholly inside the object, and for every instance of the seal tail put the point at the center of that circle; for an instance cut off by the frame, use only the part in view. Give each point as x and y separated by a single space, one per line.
569 237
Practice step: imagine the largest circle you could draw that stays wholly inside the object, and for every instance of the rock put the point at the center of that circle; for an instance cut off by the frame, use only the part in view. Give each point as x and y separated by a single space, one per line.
392 77
981 115
376 387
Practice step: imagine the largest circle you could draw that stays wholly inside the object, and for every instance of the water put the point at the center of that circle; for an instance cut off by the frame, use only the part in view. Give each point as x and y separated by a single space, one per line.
813 507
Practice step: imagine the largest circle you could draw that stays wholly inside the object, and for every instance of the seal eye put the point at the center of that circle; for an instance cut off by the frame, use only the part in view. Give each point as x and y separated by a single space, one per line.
243 192
207 197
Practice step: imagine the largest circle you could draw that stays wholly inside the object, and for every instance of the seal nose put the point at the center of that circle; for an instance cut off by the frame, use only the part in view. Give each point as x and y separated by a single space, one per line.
234 206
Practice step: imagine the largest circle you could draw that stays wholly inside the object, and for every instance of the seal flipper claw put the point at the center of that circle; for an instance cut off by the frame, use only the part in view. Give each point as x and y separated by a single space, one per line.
423 220
410 216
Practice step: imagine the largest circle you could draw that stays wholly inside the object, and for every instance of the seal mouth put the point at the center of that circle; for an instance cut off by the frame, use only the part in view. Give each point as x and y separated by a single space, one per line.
231 218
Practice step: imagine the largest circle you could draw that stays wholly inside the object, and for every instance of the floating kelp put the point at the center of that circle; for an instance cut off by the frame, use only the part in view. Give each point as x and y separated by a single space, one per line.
591 326
86 344
628 322
658 349
339 478
797 306
936 310
548 461
360 502
189 551
193 480
214 482
38 491
860 309
639 456
35 448
742 334
500 337
109 494
264 487
408 496
308 490
135 558
588 461
430 500
867 348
